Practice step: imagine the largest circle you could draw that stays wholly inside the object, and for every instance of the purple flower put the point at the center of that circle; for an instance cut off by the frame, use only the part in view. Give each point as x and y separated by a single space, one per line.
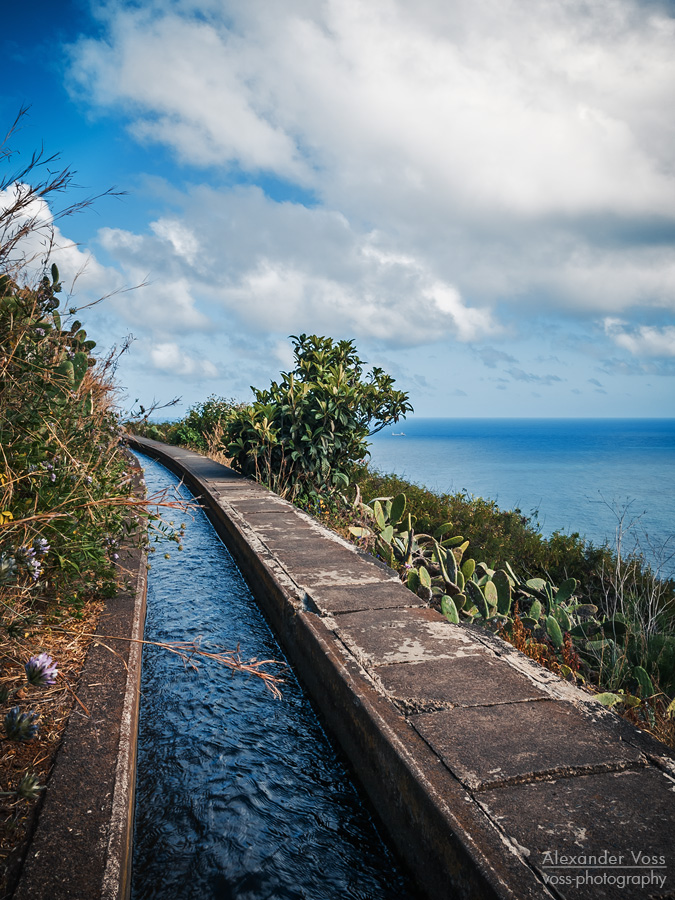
41 546
26 556
41 670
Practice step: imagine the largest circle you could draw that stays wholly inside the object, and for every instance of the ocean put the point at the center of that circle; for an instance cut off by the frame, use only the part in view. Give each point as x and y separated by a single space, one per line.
575 475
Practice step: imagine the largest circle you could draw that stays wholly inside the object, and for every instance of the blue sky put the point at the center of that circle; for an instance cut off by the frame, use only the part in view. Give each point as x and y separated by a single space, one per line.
481 194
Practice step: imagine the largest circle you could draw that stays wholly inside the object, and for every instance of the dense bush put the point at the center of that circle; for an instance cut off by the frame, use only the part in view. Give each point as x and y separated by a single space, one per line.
63 487
64 493
201 428
304 435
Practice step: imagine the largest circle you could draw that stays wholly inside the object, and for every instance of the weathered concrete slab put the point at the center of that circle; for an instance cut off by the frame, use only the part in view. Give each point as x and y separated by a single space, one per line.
268 522
403 636
281 539
472 680
356 597
589 835
236 486
274 527
329 564
490 745
249 504
210 470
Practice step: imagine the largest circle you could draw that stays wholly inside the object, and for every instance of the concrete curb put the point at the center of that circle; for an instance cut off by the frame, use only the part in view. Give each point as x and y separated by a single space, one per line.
81 847
483 766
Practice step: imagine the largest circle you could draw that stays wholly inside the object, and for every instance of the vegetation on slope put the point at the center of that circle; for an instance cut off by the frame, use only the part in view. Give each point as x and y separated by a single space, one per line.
583 610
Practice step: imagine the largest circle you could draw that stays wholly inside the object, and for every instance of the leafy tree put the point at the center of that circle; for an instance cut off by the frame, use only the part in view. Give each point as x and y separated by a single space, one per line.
303 435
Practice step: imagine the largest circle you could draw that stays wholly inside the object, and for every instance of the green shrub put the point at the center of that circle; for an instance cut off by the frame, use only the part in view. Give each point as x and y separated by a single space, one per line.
62 474
64 493
201 428
303 436
204 422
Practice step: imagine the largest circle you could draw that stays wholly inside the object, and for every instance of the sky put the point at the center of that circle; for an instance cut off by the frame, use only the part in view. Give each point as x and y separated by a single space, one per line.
479 193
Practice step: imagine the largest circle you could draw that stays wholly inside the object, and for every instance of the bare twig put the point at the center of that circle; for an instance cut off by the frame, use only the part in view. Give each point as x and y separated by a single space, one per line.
188 650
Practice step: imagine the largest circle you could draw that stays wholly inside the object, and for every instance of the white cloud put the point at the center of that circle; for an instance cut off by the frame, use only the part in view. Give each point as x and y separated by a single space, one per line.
181 238
495 148
613 280
644 341
164 303
169 357
558 109
478 171
283 268
185 83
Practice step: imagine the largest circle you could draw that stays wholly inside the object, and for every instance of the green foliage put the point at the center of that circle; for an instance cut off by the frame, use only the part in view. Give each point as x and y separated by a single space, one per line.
303 435
62 475
203 425
497 535
570 635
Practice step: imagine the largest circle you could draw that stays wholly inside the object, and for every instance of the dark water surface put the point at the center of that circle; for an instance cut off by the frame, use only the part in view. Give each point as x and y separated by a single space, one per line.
238 795
578 474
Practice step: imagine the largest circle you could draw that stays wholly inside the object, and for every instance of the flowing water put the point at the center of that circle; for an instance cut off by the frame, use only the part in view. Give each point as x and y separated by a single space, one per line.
239 796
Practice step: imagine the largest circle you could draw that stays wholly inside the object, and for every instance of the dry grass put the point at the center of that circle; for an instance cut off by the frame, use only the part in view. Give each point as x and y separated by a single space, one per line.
54 705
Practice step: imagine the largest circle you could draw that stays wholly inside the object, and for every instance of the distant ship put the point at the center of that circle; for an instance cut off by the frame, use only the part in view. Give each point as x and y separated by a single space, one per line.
398 434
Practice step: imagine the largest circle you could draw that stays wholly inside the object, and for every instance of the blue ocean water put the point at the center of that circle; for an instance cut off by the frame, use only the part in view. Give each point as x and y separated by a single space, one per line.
578 475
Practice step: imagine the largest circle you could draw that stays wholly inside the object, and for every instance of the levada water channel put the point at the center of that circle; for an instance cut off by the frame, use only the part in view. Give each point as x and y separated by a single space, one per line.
239 796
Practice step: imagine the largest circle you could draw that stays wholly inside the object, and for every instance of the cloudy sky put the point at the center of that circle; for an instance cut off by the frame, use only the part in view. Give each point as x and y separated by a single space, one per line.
480 192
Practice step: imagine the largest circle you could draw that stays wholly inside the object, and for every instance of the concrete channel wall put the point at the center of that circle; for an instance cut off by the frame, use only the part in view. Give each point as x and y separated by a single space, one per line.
494 778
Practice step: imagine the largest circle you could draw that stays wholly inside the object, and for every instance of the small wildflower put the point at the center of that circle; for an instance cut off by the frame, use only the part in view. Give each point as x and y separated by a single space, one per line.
41 670
41 546
26 556
21 726
40 332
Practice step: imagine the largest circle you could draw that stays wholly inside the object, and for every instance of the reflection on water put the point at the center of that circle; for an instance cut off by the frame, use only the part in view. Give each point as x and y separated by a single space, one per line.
239 795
